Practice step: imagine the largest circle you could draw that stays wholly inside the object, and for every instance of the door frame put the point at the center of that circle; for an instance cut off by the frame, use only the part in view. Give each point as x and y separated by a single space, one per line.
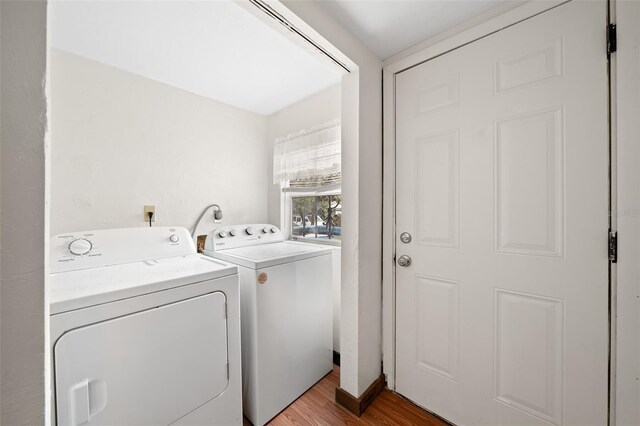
486 24
625 276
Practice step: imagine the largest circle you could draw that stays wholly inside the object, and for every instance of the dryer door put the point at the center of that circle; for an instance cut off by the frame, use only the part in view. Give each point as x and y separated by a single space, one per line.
147 368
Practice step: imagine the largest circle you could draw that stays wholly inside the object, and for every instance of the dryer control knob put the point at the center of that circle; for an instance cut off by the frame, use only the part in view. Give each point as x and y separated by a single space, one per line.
273 229
265 230
80 246
222 234
232 232
250 231
174 238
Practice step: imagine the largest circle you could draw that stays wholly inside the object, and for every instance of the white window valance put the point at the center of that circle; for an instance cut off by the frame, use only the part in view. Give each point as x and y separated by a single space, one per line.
313 153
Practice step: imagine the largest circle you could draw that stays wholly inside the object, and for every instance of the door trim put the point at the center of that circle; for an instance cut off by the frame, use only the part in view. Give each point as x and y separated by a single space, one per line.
613 223
625 68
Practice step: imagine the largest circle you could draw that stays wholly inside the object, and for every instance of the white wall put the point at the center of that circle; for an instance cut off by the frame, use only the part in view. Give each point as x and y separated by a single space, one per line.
361 288
313 111
336 279
22 197
120 141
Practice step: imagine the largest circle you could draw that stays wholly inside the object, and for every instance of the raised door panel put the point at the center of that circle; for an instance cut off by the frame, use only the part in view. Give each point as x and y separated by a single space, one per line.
529 358
436 310
529 67
437 189
437 95
529 188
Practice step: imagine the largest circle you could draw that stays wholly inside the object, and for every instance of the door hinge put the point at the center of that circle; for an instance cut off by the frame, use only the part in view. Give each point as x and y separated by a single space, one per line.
612 39
613 246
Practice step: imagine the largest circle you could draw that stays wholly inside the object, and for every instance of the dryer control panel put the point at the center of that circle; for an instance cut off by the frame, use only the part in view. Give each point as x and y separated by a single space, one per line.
95 249
235 236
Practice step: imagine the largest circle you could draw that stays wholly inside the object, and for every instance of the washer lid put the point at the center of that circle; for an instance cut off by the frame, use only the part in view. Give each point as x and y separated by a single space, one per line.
89 287
265 255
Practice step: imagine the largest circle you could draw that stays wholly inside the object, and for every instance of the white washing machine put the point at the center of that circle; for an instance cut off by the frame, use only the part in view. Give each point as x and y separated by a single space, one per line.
286 305
144 331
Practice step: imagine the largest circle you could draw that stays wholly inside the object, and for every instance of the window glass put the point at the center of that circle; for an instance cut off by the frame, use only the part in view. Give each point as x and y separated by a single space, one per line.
316 217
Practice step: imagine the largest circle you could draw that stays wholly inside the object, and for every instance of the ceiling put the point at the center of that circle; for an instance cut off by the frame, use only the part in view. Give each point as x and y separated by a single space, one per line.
390 26
212 48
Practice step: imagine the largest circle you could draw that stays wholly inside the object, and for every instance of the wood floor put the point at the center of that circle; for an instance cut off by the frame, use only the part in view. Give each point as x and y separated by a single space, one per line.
317 407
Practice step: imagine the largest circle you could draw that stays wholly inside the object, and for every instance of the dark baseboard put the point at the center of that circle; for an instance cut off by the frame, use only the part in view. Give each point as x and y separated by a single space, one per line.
355 405
336 358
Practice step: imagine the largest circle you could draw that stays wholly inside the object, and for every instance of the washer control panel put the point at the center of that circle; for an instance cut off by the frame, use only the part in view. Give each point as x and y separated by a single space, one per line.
80 246
235 236
94 249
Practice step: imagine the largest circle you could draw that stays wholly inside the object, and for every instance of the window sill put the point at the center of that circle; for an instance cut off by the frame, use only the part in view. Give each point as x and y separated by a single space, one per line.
334 244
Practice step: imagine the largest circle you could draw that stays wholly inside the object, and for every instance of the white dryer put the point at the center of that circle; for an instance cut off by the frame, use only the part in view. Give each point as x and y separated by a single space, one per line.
286 305
144 331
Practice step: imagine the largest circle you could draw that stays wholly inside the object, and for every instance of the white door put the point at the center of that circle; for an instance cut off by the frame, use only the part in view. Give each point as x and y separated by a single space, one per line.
502 182
147 368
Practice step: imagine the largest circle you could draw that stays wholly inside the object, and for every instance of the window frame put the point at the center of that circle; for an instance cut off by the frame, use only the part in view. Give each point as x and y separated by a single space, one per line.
286 216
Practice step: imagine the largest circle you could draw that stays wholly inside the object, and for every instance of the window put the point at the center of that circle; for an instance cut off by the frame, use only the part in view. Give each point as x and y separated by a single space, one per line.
307 165
317 217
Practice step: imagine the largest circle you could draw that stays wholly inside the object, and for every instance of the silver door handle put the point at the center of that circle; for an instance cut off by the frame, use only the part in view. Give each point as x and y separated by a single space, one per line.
404 261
